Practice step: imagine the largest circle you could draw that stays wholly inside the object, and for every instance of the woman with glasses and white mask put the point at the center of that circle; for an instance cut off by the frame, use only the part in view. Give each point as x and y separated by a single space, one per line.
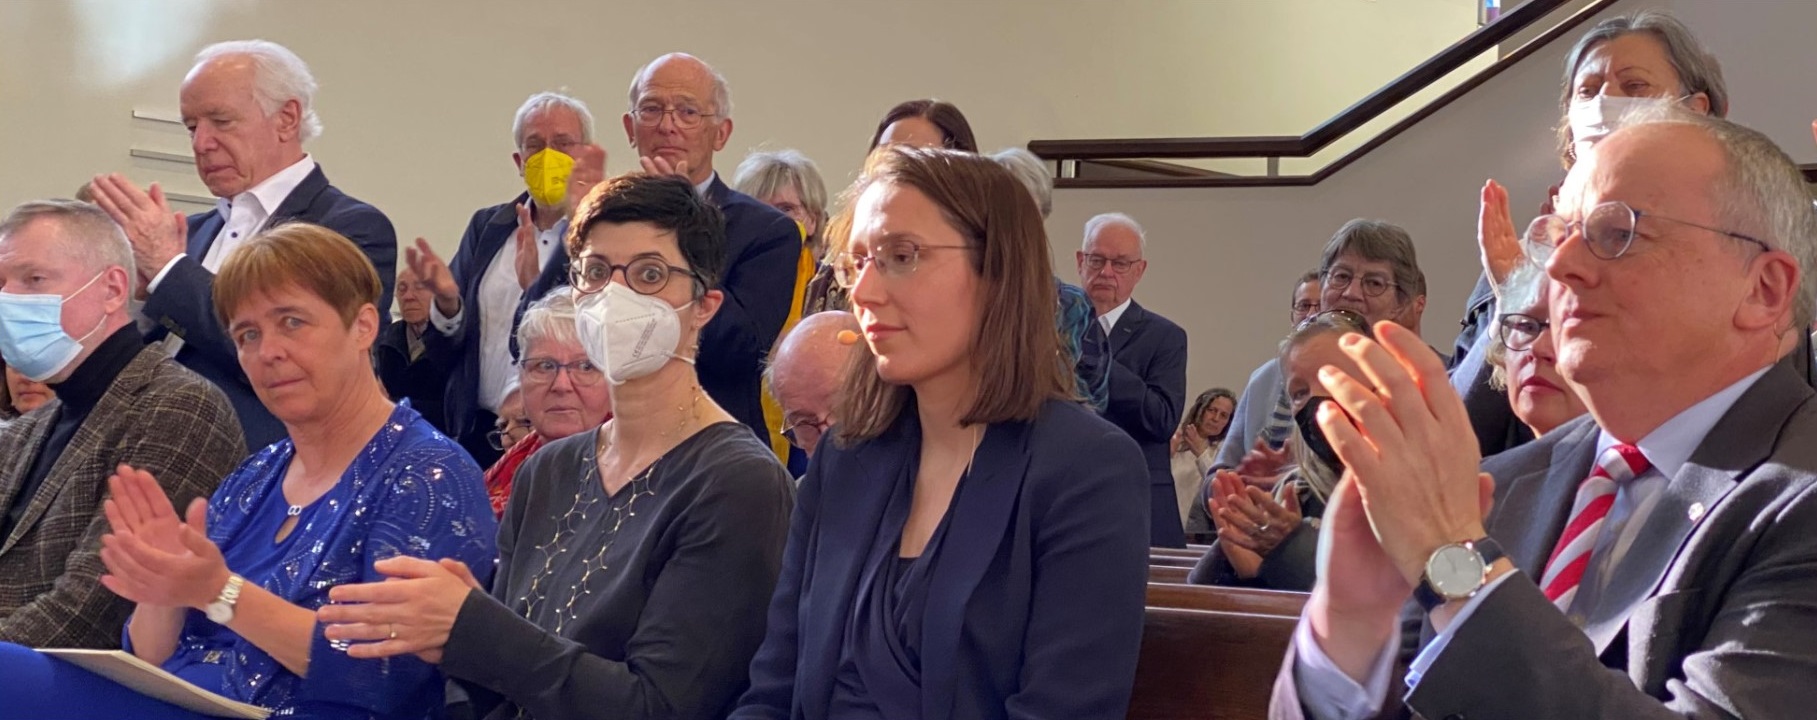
971 541
558 391
636 558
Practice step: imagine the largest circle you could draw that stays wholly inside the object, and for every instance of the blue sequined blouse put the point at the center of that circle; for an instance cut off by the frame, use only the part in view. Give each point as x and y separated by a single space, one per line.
411 491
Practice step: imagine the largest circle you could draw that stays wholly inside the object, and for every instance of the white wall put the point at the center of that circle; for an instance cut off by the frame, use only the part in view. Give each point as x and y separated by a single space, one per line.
1222 261
417 95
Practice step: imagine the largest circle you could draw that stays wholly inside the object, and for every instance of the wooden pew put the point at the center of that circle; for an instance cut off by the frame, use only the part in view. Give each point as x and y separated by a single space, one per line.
1207 665
1226 599
1190 551
1172 561
1166 574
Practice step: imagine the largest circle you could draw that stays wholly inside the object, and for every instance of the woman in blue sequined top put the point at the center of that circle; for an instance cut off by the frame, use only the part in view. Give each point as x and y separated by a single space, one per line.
226 598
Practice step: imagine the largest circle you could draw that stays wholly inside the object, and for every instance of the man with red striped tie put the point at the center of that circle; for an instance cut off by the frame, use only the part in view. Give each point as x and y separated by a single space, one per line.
1655 559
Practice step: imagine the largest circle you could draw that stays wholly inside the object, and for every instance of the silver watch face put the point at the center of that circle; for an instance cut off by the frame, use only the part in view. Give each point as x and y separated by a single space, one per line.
1454 571
218 612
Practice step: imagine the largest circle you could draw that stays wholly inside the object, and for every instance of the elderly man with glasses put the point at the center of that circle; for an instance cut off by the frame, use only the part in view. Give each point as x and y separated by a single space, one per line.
1148 360
680 115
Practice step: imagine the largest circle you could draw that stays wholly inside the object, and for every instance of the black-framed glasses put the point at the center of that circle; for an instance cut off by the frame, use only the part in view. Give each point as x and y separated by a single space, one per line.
645 275
1095 263
1608 230
499 437
805 433
1373 285
543 371
1340 318
1304 309
687 117
1518 331
896 260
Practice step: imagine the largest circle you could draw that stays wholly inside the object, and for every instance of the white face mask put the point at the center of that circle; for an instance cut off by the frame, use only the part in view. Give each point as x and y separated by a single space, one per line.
626 334
1592 119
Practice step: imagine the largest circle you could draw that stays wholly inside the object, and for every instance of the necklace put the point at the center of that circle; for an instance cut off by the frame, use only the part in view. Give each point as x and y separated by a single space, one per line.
690 414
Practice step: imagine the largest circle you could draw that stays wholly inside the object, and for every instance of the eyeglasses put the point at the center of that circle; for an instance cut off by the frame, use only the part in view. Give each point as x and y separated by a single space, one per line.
805 433
896 260
499 437
1339 278
1344 319
543 371
687 117
1518 331
1608 230
1095 263
645 275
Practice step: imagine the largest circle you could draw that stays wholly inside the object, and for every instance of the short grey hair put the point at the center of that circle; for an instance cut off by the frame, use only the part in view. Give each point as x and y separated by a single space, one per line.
766 172
1760 193
1522 291
1028 168
722 91
1698 71
1115 219
545 101
90 236
279 76
549 318
1378 241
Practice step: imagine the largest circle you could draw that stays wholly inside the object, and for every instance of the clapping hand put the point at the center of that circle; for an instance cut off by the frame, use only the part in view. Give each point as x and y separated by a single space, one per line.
429 268
412 611
156 232
152 557
655 165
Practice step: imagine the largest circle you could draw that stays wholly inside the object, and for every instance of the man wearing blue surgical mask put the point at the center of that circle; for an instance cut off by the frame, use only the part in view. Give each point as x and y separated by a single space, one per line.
66 273
505 246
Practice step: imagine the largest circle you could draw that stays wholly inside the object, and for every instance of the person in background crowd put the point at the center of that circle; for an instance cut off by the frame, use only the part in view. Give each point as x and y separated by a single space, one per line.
501 253
1202 429
806 373
559 390
1525 356
513 424
406 367
1264 416
1148 354
23 395
636 557
925 123
250 109
66 272
788 181
1027 600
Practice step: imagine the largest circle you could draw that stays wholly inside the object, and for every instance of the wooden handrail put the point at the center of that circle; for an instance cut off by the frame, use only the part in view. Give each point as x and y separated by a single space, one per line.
1349 120
1439 103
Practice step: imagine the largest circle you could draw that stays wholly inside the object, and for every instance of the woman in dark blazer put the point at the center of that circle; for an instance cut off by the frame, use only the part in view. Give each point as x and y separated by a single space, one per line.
970 510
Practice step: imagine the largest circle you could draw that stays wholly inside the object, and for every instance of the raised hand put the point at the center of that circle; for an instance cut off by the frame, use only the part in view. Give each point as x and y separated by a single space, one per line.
157 233
1496 237
589 170
412 611
190 576
1262 465
1232 540
1259 521
136 505
429 268
527 262
653 165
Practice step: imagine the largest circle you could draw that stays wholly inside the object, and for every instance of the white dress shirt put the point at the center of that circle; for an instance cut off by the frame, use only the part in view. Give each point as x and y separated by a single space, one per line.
499 295
1329 694
244 215
1109 319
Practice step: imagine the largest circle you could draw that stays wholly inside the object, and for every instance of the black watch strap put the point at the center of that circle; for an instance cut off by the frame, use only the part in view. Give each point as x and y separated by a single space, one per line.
1485 547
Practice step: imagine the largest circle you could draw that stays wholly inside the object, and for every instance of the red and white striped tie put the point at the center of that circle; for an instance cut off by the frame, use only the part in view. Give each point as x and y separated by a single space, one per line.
1617 465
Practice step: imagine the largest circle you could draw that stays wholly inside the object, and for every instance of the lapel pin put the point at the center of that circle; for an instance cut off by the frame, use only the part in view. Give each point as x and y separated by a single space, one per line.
1697 510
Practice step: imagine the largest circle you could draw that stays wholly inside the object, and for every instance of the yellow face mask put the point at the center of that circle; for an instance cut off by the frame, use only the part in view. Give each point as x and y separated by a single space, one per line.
546 174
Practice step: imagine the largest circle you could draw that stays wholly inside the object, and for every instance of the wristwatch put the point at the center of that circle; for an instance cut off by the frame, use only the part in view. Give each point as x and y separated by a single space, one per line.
221 610
1456 572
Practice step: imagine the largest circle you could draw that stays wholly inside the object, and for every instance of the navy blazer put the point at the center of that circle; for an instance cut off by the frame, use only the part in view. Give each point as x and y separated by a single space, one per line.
1034 607
487 233
763 252
1147 395
184 302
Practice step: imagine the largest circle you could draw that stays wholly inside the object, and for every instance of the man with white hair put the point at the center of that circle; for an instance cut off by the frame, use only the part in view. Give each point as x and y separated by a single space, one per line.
1148 360
680 114
67 273
250 107
477 296
1652 559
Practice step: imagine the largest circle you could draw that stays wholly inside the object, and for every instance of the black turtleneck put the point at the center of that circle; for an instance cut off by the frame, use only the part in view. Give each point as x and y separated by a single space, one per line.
76 398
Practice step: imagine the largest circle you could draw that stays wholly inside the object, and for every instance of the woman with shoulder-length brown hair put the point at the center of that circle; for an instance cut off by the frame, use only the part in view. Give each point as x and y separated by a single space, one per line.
925 123
970 510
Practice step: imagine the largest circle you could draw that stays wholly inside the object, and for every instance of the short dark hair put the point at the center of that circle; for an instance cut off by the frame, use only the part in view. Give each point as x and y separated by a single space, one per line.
666 201
1381 242
944 115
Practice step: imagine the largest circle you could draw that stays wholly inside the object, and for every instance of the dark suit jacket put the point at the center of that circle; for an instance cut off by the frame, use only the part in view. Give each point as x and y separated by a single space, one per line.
422 381
155 416
1147 395
1708 615
1034 609
763 251
458 410
184 302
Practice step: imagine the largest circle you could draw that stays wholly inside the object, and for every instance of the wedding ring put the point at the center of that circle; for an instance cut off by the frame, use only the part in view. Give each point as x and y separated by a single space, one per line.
1262 529
394 631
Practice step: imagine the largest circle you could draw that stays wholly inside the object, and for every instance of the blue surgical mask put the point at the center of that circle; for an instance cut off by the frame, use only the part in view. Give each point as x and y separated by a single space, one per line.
31 333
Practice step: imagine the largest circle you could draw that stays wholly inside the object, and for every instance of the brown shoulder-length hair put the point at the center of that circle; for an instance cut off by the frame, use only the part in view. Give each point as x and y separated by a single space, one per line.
312 258
1016 353
944 115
